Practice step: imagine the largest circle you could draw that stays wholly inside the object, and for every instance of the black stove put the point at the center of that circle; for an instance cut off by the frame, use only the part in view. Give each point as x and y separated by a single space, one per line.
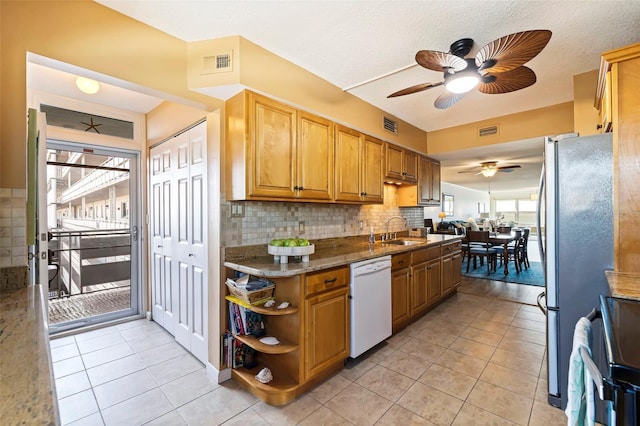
621 325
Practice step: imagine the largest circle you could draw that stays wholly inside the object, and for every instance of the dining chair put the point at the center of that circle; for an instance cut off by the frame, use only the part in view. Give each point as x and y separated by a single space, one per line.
483 250
524 256
514 251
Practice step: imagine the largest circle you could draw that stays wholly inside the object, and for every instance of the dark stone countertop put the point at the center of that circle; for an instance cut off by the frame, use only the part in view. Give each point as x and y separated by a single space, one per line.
325 257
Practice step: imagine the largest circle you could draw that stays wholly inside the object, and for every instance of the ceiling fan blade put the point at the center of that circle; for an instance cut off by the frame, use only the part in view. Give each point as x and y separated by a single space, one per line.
415 89
511 51
447 100
440 61
509 81
508 169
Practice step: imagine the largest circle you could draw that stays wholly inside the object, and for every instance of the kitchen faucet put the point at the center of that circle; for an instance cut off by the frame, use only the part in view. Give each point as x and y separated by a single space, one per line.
404 223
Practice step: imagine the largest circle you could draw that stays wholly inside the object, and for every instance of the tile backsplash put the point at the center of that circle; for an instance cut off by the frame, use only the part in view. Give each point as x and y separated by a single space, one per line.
13 226
262 221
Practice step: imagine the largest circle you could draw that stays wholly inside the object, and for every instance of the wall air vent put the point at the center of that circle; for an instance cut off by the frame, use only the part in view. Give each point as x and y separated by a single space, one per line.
216 63
390 125
488 131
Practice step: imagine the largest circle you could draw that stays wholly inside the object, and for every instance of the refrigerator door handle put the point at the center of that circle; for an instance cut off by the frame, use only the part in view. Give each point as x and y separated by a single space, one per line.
541 195
539 302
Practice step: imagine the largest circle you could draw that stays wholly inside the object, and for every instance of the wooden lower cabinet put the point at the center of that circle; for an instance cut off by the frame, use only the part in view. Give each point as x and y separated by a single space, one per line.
451 272
400 297
421 279
326 330
313 334
433 271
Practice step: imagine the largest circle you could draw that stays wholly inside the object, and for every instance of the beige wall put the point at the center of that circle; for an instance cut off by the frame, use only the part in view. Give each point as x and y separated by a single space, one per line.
552 120
585 115
85 34
258 69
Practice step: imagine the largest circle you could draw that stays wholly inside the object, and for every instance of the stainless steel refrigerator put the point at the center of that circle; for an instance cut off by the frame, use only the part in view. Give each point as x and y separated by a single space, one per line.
576 197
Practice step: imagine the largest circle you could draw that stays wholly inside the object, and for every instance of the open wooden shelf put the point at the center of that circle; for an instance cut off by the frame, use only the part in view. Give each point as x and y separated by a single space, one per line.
281 348
279 391
260 309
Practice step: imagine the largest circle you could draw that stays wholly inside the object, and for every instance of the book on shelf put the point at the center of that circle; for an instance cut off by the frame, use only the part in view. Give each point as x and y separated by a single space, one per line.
236 354
243 320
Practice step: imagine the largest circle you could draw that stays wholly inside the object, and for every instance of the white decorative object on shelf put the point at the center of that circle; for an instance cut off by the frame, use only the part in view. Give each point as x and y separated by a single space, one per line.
282 253
264 376
269 340
269 303
283 305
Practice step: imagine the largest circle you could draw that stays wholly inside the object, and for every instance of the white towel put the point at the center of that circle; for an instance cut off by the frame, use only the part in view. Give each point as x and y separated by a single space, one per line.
580 409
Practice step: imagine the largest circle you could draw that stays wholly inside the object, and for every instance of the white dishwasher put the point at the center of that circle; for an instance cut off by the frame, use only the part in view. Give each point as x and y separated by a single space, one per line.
370 303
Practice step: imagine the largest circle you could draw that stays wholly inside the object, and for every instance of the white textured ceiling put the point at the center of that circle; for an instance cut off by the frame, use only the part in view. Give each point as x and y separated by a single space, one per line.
349 43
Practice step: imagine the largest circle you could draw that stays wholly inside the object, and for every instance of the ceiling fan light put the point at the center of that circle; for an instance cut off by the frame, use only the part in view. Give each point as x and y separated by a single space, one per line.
459 83
489 171
87 85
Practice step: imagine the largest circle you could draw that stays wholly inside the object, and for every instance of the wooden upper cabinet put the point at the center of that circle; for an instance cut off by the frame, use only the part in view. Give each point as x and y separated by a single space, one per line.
275 152
359 172
427 191
372 172
401 165
315 157
435 182
273 158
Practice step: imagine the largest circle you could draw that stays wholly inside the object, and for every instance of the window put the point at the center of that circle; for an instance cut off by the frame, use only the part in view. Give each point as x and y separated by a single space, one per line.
124 210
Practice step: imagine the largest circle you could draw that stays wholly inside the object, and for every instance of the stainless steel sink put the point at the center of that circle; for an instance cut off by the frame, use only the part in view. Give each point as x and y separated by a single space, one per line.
403 242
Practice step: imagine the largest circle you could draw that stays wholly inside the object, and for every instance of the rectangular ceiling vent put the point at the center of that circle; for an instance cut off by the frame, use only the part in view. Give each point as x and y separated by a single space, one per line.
217 63
390 125
488 131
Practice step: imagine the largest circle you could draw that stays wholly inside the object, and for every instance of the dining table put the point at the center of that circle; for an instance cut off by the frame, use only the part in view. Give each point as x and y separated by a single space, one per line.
503 239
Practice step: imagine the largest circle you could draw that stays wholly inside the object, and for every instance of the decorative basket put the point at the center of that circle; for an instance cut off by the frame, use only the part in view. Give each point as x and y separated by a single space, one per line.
252 297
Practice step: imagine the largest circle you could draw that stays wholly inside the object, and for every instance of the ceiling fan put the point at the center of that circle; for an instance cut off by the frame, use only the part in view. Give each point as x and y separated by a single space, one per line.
490 168
497 67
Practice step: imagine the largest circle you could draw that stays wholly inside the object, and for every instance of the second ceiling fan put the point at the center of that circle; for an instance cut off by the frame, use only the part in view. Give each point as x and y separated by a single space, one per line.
490 168
496 68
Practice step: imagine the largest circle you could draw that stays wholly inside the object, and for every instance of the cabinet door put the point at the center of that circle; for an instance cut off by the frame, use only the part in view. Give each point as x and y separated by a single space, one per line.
348 172
457 269
410 167
433 273
327 331
393 162
315 157
435 181
419 281
373 170
447 275
400 298
424 184
273 141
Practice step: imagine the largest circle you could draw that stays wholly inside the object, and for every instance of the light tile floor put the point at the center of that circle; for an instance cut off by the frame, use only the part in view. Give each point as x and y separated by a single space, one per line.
477 359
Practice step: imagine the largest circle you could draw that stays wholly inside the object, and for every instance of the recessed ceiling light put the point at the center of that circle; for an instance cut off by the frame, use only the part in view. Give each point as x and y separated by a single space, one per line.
87 85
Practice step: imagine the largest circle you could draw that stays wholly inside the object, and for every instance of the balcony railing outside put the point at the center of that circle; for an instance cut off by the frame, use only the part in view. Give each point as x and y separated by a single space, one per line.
89 261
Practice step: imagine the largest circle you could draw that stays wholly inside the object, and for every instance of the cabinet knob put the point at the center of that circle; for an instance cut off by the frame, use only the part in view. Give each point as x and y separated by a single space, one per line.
599 126
301 188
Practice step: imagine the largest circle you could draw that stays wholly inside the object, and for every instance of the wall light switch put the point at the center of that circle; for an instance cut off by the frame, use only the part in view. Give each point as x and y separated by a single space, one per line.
301 227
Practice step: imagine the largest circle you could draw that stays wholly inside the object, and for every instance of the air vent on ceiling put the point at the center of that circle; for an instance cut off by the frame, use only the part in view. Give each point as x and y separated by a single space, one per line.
216 63
488 131
390 125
